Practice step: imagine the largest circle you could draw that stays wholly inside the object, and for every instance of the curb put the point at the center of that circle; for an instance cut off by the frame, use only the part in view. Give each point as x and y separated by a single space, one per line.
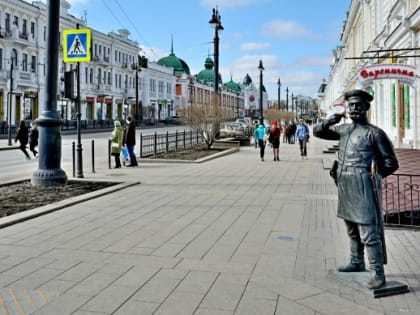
33 213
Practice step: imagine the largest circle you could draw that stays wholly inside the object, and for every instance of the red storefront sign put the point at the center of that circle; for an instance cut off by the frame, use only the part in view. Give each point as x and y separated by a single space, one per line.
100 99
90 99
404 73
108 101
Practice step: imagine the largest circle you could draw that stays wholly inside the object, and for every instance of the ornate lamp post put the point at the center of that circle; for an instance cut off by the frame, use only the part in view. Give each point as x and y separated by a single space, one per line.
216 22
49 172
279 86
287 98
261 68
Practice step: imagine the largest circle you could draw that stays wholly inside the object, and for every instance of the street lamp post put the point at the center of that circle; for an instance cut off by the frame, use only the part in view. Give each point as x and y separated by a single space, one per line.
216 22
287 98
49 172
279 86
9 108
261 68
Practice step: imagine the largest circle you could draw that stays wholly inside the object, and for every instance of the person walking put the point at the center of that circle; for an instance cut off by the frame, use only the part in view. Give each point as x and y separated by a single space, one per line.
365 156
260 134
302 134
33 138
23 136
274 138
116 143
130 140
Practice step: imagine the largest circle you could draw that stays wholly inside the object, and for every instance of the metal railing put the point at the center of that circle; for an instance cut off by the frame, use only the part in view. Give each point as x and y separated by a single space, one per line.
151 145
401 200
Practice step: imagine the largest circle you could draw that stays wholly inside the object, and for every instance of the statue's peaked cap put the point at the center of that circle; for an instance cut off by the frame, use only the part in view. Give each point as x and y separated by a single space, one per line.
365 96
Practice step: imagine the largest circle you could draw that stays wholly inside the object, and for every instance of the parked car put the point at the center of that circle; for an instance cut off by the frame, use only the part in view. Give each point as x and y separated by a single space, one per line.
230 129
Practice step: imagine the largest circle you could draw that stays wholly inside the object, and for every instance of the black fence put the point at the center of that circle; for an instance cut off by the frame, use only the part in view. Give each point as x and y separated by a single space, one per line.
401 200
151 145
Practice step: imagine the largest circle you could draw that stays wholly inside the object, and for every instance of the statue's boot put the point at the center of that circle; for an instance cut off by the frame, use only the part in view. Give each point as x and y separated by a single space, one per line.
375 256
357 261
352 267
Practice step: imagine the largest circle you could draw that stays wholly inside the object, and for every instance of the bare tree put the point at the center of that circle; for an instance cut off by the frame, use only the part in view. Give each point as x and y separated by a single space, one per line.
206 119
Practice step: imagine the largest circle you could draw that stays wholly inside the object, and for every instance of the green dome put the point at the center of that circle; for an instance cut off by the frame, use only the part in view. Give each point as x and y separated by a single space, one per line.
206 76
179 65
233 86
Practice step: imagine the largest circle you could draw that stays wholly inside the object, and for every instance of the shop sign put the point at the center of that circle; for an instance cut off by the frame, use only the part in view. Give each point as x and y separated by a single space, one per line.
108 100
404 73
90 99
100 99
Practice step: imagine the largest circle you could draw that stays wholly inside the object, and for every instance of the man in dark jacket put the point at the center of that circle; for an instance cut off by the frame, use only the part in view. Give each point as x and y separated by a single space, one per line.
23 136
363 149
130 140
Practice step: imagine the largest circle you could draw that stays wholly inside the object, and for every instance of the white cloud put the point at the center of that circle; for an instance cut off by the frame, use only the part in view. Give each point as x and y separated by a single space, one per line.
255 46
314 61
285 29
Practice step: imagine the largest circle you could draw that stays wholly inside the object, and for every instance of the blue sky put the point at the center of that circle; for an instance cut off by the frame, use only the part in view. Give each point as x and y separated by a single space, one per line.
294 39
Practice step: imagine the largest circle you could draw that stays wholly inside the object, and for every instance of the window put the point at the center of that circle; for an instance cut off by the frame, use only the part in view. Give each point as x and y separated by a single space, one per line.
119 81
161 87
152 85
1 59
116 57
16 21
86 75
33 64
7 22
25 62
109 78
99 76
100 50
91 76
45 33
116 80
24 24
168 88
33 29
96 50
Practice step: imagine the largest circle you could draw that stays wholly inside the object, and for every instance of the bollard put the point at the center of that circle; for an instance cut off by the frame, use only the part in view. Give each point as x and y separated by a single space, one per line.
109 154
155 144
93 156
73 154
141 145
167 141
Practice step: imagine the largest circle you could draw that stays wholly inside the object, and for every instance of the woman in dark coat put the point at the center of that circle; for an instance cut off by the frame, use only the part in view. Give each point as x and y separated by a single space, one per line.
23 136
33 138
130 140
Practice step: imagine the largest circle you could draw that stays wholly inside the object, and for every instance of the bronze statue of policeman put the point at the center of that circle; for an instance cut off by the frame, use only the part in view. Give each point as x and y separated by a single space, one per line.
366 155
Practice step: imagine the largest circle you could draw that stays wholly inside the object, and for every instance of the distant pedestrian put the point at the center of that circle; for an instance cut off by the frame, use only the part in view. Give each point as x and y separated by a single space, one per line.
130 140
23 136
302 134
33 138
260 134
275 133
116 143
255 137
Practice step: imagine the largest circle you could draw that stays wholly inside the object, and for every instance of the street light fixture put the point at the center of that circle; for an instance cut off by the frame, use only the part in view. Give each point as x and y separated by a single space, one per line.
261 68
279 86
216 22
287 98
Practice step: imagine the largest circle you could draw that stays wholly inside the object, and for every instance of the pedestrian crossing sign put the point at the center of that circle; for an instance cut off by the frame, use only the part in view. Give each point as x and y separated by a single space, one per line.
76 45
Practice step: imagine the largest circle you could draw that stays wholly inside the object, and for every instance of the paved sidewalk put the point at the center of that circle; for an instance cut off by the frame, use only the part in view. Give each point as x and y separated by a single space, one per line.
233 235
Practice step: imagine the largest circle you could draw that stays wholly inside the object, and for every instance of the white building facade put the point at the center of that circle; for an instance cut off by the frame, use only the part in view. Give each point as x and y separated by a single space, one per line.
381 34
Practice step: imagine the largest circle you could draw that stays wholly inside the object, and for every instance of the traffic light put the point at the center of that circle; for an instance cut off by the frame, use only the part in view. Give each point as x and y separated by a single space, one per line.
69 85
